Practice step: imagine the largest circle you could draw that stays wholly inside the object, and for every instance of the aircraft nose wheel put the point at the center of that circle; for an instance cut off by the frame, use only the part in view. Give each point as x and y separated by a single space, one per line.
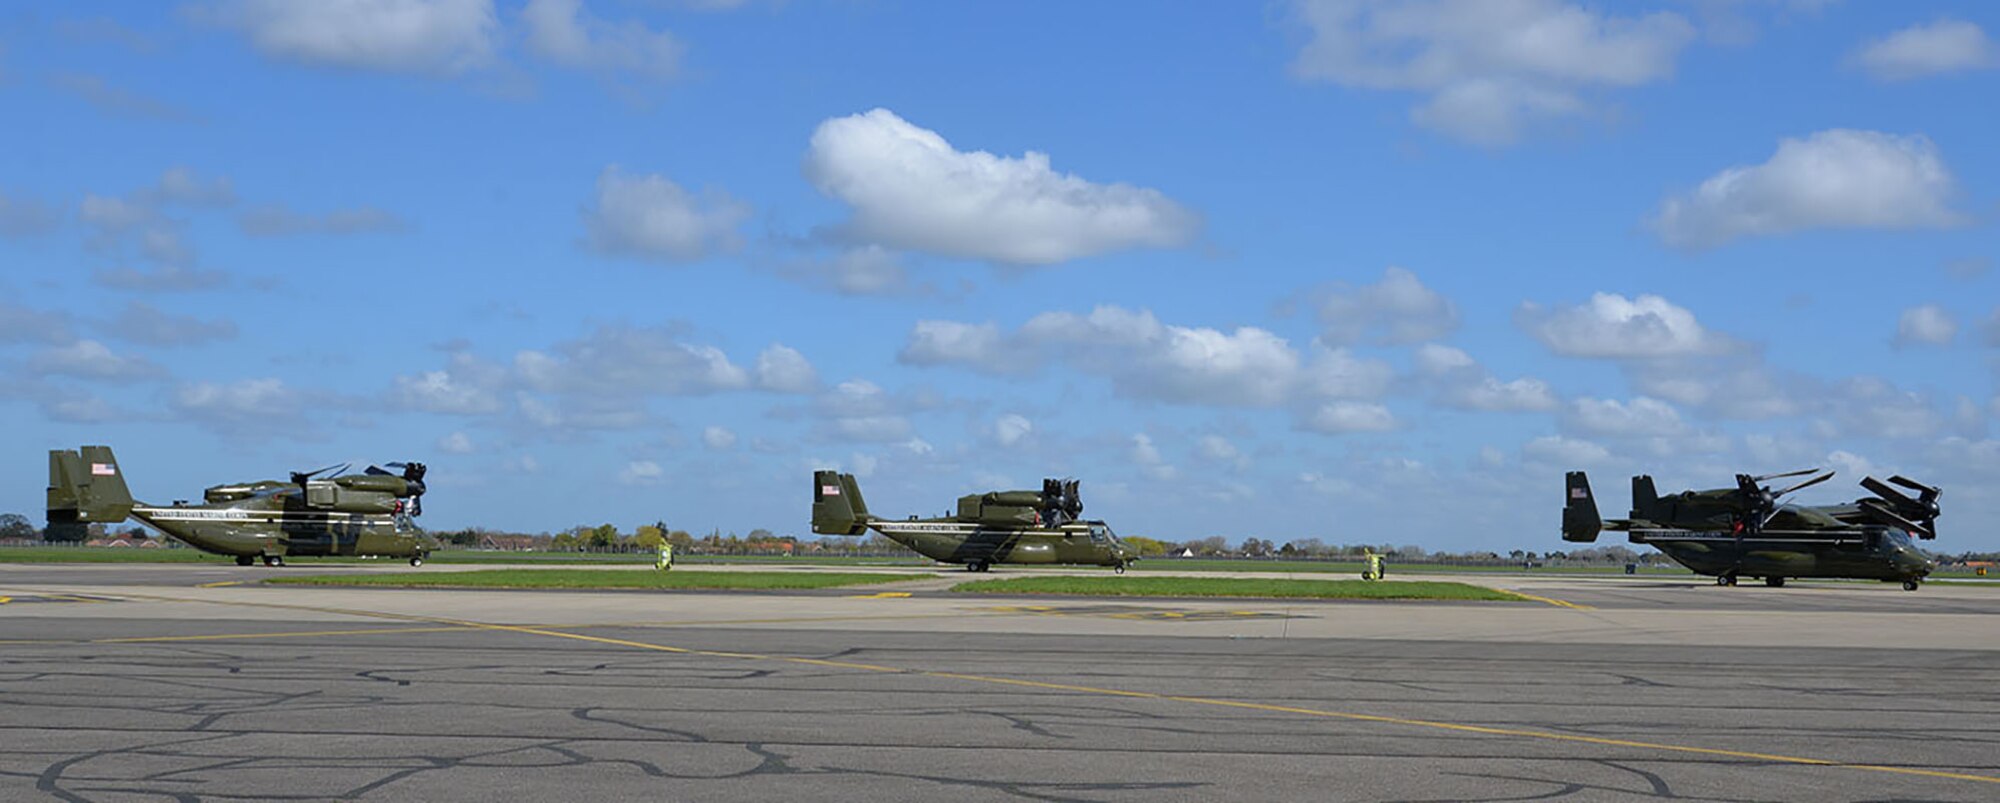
1725 580
1909 585
274 560
245 560
1120 568
416 560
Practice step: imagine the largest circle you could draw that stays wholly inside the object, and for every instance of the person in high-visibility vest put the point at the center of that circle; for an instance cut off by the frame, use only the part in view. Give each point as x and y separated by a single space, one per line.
1374 570
666 559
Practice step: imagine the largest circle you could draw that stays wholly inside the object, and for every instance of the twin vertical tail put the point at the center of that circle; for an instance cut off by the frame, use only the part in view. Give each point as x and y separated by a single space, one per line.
85 487
1581 523
838 508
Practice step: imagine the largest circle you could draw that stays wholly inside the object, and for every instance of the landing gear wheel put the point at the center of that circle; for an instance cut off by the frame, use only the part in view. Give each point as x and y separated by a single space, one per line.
245 560
1909 585
1120 568
416 560
1775 582
978 566
274 560
1725 579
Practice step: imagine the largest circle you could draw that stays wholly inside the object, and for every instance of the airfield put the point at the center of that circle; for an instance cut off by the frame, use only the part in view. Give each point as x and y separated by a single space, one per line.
184 682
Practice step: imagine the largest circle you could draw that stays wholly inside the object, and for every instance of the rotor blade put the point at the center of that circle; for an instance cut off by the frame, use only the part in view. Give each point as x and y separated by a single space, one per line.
1807 484
1880 512
1888 494
1913 485
378 471
319 471
1799 473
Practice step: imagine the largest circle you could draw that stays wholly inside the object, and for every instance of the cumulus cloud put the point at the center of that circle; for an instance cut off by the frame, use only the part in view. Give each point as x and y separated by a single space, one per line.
909 189
246 407
1219 450
860 410
1335 418
1488 68
117 101
1147 457
1012 428
275 220
1613 326
1638 417
23 324
1148 359
624 361
467 387
433 37
973 344
783 369
651 217
456 443
1460 382
1936 48
1398 310
1835 179
717 438
866 270
1557 450
89 359
169 279
141 322
642 472
561 32
1926 325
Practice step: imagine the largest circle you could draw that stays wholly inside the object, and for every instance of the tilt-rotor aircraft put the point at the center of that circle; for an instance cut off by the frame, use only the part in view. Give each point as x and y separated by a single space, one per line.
996 527
1744 531
369 514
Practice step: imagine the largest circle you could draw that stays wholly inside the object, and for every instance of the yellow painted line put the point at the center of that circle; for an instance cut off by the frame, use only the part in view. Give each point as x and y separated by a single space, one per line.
222 584
1207 701
883 595
5 600
1545 600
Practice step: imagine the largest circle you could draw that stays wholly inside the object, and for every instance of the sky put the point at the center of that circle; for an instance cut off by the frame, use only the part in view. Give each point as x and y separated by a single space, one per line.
1368 272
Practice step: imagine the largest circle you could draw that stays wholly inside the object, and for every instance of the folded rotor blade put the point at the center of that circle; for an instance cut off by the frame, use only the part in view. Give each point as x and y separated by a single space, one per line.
1925 491
1799 473
1807 484
1891 495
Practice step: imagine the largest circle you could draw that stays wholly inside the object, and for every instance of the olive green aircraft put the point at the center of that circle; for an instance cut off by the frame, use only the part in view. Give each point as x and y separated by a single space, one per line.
316 513
997 527
1744 531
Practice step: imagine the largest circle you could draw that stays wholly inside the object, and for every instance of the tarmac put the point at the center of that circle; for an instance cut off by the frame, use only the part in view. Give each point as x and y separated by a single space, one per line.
191 682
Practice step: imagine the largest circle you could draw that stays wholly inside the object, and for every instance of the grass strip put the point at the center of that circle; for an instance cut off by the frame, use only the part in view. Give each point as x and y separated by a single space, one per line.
1129 586
599 578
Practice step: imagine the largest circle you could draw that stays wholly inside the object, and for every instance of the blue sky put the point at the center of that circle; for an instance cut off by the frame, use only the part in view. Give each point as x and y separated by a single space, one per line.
1365 272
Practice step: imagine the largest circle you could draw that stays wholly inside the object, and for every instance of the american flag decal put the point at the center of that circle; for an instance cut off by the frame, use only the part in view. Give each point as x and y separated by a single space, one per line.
1578 493
829 490
103 470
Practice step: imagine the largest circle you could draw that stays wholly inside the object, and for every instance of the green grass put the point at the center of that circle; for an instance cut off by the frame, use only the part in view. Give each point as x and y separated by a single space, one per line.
1231 587
1341 567
599 578
43 554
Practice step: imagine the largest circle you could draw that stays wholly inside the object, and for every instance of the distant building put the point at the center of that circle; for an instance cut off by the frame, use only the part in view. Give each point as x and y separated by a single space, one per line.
1183 552
507 543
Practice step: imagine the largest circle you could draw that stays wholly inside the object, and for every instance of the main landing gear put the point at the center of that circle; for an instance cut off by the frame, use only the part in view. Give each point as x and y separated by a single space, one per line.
1775 582
1725 579
978 566
245 560
274 560
1910 584
416 560
1120 567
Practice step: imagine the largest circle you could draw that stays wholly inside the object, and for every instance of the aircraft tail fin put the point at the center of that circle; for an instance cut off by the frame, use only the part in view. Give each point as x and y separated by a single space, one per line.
1581 523
838 508
1645 499
85 487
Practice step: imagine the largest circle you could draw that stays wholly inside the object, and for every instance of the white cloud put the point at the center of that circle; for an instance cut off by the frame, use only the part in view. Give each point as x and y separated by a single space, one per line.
563 33
624 361
1218 449
866 270
456 443
1613 326
642 472
441 392
910 189
1338 374
436 37
1437 360
23 324
1940 47
974 345
717 438
1489 67
90 359
860 410
1147 457
1926 325
783 369
1397 310
1489 394
1835 179
1148 359
245 407
651 217
1012 428
1335 418
1561 451
1641 416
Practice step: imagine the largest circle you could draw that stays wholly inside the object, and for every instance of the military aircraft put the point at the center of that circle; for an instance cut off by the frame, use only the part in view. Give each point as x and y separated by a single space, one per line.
1745 531
996 527
370 513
